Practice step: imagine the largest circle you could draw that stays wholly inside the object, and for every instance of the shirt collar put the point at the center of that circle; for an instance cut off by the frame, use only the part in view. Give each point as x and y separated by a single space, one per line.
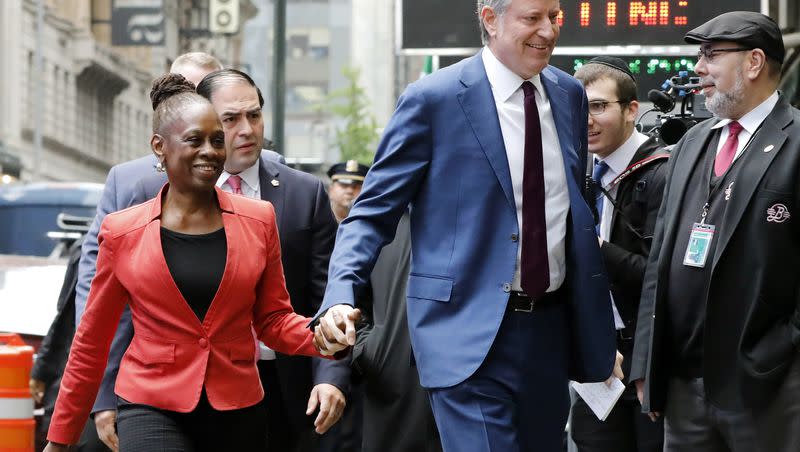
503 80
249 176
619 160
753 119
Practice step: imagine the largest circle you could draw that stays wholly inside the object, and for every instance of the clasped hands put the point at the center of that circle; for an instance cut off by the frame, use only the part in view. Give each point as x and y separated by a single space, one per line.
336 329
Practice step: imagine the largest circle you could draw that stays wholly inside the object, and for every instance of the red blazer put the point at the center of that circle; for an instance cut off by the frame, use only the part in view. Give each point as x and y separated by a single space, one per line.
173 355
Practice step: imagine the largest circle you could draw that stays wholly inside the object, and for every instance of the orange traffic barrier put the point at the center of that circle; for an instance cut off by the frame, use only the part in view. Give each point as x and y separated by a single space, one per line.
17 426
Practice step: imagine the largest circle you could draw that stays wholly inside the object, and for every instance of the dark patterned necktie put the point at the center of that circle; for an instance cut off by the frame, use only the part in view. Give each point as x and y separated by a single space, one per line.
535 270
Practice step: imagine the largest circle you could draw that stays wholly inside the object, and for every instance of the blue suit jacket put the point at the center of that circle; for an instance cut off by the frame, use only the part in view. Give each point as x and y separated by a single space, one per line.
306 227
442 153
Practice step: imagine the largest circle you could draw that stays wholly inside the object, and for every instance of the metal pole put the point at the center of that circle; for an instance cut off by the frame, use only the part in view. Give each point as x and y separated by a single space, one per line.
279 76
38 95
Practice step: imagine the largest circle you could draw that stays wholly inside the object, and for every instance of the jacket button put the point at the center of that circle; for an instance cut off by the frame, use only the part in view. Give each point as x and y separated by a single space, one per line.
203 343
514 237
506 287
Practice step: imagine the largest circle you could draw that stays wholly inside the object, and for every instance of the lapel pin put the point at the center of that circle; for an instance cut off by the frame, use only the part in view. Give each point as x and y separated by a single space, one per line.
769 148
275 182
728 191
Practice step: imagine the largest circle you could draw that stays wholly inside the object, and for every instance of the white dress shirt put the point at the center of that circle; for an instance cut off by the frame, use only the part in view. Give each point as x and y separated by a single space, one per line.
617 162
749 122
509 98
251 187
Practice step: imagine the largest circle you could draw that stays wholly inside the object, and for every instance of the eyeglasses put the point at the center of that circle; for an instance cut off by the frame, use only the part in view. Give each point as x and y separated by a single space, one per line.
598 107
709 54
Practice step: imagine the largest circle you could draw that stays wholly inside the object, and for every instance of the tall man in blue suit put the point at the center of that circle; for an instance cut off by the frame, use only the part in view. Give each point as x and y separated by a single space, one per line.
507 299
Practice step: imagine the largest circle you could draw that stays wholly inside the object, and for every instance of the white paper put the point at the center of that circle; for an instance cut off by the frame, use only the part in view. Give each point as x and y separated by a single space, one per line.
600 397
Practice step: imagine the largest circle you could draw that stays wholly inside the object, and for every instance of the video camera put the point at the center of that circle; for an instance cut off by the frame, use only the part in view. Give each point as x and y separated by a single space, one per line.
671 126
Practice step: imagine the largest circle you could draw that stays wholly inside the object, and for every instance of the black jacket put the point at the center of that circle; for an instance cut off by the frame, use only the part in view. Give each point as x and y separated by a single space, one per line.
752 326
51 358
638 199
397 413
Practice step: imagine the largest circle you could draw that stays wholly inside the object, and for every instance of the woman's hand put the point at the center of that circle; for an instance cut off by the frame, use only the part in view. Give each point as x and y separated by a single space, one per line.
56 447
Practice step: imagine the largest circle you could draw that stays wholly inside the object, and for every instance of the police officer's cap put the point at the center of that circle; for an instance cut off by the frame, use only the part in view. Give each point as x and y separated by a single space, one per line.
749 29
349 172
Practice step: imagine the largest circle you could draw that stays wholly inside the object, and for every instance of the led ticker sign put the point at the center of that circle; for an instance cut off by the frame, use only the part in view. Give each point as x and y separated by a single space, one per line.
641 22
453 24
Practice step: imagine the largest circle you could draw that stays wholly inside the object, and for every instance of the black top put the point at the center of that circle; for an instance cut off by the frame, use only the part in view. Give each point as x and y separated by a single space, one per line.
196 263
687 289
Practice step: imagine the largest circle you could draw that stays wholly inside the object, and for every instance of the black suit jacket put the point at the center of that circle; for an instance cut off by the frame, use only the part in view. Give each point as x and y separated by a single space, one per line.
637 201
307 230
752 326
51 357
397 413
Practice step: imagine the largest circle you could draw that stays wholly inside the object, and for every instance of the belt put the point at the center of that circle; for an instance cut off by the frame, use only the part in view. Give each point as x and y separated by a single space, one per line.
522 302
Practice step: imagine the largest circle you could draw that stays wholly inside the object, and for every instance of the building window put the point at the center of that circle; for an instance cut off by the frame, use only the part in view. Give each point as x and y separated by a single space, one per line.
308 43
304 96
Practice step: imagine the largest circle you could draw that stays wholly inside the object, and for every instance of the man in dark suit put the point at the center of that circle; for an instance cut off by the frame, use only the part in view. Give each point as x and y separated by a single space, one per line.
51 358
507 298
397 413
630 169
296 386
719 321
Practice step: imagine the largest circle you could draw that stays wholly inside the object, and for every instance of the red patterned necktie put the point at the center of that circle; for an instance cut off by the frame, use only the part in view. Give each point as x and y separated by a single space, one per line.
728 151
534 268
235 182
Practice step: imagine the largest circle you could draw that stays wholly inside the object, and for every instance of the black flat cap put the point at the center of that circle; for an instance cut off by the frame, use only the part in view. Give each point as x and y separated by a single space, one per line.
747 28
614 63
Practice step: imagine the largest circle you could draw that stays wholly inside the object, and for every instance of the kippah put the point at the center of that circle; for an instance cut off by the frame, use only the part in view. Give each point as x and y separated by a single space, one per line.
613 62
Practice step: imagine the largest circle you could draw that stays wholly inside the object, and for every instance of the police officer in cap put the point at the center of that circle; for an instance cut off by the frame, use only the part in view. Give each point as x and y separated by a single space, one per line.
717 348
346 180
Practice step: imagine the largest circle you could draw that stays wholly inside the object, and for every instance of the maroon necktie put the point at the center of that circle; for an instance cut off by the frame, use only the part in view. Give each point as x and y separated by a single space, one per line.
728 151
535 270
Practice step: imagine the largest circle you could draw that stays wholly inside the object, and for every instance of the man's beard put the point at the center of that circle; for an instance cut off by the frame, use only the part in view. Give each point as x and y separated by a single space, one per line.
723 105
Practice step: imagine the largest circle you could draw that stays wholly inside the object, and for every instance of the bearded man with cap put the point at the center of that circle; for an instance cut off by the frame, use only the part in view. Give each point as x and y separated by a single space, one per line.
719 320
630 169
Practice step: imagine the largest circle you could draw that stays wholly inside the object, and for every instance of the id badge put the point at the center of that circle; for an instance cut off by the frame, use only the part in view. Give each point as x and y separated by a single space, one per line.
699 245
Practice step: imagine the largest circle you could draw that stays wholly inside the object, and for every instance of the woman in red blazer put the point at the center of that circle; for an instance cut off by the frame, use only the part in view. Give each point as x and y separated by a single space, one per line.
201 271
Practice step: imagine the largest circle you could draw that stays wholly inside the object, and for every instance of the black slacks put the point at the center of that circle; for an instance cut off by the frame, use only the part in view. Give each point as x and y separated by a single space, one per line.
143 428
694 424
626 429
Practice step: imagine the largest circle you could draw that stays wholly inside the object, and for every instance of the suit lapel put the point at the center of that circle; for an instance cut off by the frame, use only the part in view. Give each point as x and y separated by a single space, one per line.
234 243
155 249
683 164
477 102
753 167
562 116
272 190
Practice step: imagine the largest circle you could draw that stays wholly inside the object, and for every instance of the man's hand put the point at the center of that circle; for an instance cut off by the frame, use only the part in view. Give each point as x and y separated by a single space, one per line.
37 388
106 430
331 402
337 329
640 393
617 372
